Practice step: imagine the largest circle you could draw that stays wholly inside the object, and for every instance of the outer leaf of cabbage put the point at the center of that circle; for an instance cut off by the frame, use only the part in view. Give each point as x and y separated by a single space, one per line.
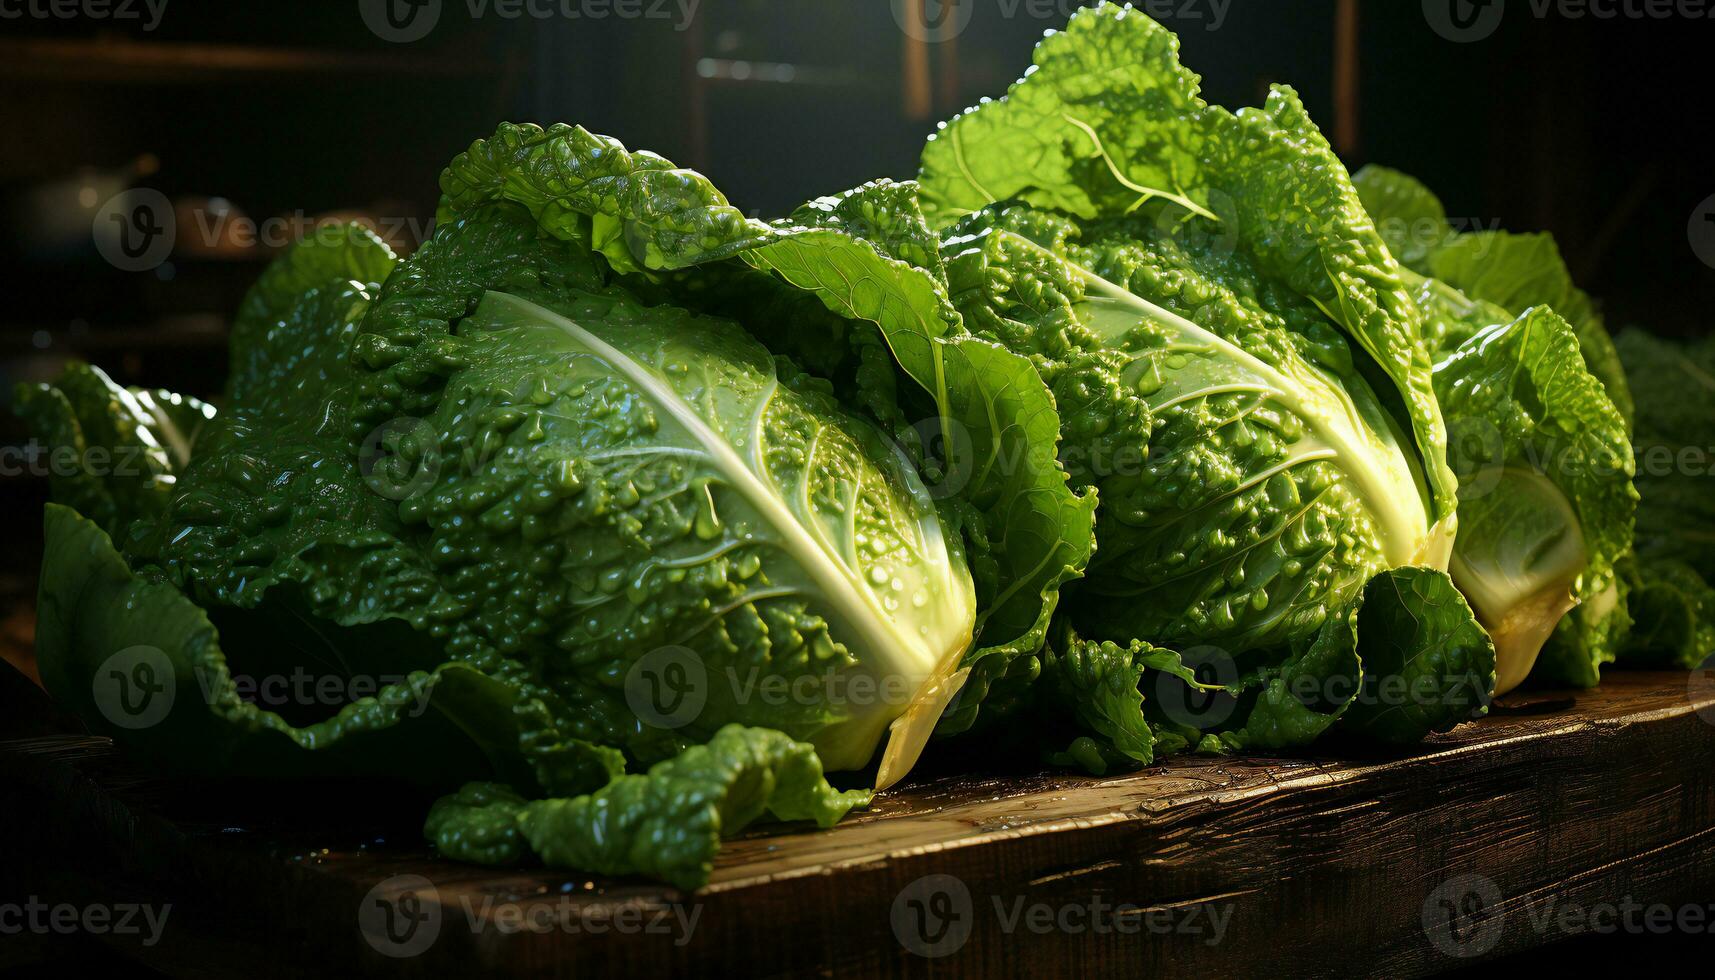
1026 531
1546 498
1675 385
1108 124
1511 271
1252 482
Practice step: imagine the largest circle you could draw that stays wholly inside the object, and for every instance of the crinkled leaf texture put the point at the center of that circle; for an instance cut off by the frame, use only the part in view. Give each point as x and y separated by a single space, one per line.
1427 663
1546 498
1672 601
114 453
507 479
1402 660
1673 609
1251 480
1240 371
1675 389
1026 531
1472 284
1108 124
1492 268
666 823
115 646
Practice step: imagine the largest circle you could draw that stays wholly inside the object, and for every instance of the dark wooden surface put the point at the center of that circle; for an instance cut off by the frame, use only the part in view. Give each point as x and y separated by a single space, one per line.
1201 867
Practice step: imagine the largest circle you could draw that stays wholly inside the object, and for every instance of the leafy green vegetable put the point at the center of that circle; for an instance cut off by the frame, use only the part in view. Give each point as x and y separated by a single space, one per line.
1672 601
114 452
667 823
523 474
1242 381
1546 500
1109 125
1497 268
1028 532
1674 612
137 660
1403 659
1427 664
633 515
1675 386
1537 551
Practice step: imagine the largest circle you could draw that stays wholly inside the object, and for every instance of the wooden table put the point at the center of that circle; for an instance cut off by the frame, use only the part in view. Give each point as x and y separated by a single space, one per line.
1506 834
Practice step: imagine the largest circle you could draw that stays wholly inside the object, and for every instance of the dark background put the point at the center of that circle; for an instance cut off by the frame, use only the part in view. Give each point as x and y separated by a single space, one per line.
1587 127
